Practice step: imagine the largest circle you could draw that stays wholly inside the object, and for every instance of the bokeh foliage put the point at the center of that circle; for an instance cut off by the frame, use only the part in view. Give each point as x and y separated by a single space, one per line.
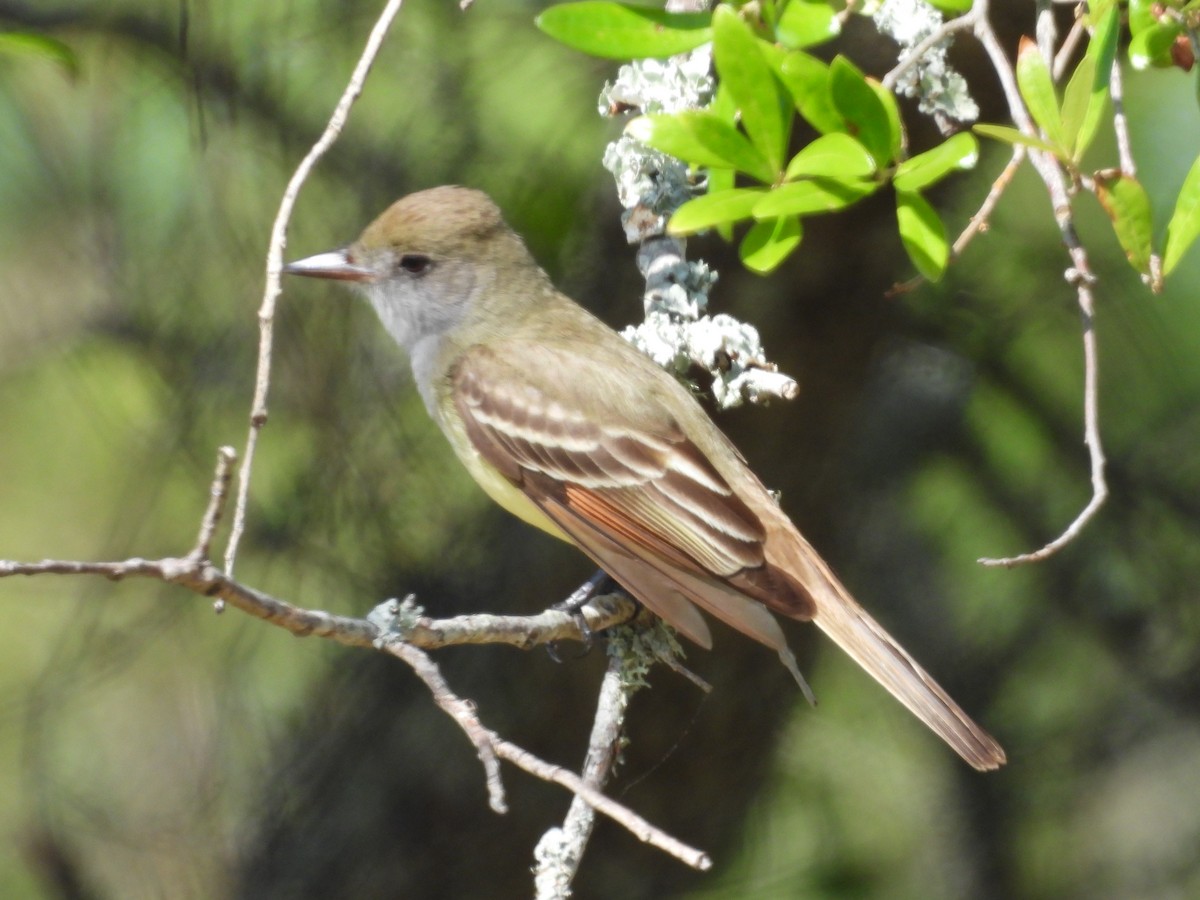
145 743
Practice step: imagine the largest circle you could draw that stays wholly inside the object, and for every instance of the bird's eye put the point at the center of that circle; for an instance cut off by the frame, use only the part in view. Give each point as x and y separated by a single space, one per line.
415 263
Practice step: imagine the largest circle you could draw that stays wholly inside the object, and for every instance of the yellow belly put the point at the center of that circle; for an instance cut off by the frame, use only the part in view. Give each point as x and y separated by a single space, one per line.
493 483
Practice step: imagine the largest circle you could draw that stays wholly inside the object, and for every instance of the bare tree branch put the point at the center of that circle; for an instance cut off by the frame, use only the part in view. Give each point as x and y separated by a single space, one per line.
197 574
1080 274
560 850
635 824
266 312
458 709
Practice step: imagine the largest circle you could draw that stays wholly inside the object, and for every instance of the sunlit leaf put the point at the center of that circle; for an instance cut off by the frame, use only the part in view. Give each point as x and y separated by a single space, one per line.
715 209
923 235
807 79
1142 16
621 31
722 180
1037 89
960 151
1185 220
1076 98
722 105
895 123
1152 47
804 23
1012 136
816 195
1128 207
835 155
1103 45
861 108
743 69
701 139
1100 53
770 242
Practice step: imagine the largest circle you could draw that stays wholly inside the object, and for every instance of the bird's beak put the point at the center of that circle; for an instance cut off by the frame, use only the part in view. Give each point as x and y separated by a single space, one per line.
335 264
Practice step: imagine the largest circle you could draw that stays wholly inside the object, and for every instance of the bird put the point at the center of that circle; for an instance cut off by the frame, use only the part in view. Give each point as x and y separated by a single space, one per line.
567 425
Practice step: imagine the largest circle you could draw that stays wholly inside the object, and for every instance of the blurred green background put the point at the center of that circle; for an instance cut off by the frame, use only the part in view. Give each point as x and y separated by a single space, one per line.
151 749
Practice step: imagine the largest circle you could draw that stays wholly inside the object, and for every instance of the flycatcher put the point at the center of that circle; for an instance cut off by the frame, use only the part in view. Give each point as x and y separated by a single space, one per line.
565 424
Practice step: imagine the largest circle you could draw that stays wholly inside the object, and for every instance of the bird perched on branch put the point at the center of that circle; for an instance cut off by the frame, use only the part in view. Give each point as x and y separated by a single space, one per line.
565 424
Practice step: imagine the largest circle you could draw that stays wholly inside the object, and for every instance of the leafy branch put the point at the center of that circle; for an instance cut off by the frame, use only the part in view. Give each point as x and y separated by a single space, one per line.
740 146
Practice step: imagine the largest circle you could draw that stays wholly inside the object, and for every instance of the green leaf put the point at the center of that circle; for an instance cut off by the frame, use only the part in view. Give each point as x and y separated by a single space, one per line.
861 109
834 155
1101 52
1128 206
958 152
923 235
1152 47
700 139
1076 99
621 31
952 6
722 105
743 69
1103 45
1141 16
808 79
1013 136
28 43
895 124
1037 89
804 23
1185 220
714 209
770 242
721 180
816 195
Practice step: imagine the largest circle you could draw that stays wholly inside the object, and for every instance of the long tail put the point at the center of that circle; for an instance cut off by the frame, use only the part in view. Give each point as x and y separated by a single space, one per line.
852 629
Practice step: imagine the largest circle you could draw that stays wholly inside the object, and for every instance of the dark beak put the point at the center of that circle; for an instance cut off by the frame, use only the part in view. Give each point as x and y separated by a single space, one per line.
335 264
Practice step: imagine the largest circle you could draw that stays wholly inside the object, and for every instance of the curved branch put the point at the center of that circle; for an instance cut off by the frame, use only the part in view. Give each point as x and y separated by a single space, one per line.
266 312
1080 274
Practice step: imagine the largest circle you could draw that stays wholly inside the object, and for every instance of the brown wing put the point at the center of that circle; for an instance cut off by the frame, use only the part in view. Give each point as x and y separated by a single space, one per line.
628 486
638 496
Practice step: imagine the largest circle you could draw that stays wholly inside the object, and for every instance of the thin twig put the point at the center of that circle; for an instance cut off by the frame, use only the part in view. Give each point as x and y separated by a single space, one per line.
631 821
266 312
968 19
1063 57
1116 90
202 577
458 709
978 223
1091 437
1046 30
560 850
523 632
218 494
1080 274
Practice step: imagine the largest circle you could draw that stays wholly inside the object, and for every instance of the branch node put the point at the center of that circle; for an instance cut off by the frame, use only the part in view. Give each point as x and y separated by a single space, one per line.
395 619
1076 277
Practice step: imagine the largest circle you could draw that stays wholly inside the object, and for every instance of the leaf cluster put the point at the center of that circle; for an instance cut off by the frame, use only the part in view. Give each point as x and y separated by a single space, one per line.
1068 127
767 80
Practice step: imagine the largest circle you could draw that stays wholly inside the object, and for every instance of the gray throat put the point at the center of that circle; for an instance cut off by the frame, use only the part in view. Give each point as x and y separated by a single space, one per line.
423 354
